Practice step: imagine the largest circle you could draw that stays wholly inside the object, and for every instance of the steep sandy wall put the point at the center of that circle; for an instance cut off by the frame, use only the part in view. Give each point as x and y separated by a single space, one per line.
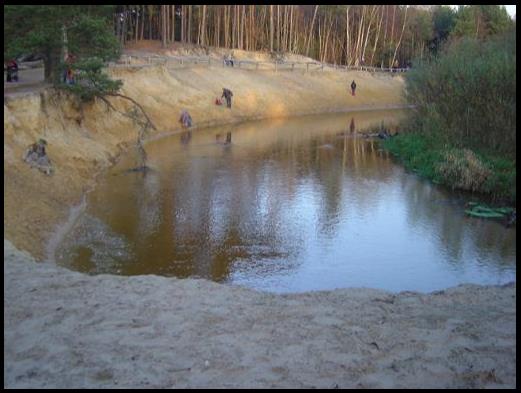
84 140
257 94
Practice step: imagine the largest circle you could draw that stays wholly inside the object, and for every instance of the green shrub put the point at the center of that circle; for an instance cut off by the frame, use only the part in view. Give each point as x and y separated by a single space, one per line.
467 95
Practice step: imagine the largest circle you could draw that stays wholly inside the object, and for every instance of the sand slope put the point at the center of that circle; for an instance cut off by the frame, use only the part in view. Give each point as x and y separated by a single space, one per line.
65 329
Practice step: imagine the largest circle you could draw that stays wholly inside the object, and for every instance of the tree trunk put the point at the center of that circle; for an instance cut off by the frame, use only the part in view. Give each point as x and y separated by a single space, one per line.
391 38
371 19
142 22
218 28
311 30
237 26
203 27
50 60
136 36
65 44
377 35
168 24
173 24
347 36
163 26
149 9
319 40
183 36
290 42
359 38
189 24
401 35
233 28
271 28
326 52
385 33
278 28
226 27
243 16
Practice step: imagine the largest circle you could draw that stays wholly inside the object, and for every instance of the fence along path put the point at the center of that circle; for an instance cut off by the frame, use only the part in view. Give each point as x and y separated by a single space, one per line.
185 61
29 82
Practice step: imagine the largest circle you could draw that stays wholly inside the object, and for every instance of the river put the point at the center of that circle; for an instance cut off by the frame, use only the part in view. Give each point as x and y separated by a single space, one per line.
288 206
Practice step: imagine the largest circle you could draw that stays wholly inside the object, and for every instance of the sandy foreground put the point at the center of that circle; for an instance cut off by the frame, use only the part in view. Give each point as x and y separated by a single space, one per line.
68 330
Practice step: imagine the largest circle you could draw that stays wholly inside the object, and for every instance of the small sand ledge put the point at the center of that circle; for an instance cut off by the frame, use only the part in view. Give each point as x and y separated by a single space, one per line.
64 329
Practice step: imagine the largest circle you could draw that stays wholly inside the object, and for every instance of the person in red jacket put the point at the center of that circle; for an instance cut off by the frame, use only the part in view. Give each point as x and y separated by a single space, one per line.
12 71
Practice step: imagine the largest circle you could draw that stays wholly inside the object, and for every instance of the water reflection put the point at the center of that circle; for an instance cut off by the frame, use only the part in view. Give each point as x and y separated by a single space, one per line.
288 205
186 136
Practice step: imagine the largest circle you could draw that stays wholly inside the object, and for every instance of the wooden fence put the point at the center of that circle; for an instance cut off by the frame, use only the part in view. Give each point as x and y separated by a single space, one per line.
184 61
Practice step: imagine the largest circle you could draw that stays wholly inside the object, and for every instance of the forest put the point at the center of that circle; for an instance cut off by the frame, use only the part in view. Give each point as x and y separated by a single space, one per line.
372 35
376 35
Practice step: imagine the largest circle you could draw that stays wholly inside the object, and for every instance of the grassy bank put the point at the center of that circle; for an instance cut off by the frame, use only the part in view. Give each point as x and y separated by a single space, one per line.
482 172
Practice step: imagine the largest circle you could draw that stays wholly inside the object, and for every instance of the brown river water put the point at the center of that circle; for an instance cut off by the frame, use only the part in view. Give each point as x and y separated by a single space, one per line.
288 206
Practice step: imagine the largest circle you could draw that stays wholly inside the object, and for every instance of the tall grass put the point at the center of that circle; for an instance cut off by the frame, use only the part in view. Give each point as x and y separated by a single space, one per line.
467 95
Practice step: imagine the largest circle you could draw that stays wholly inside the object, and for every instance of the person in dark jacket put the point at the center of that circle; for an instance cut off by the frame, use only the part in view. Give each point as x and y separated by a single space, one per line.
185 119
353 87
227 94
12 71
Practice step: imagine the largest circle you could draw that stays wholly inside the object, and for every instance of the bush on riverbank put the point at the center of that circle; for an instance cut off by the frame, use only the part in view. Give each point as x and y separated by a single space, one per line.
463 130
467 95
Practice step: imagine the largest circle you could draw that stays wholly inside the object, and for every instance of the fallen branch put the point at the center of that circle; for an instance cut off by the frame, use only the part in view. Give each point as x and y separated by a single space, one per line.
109 104
135 103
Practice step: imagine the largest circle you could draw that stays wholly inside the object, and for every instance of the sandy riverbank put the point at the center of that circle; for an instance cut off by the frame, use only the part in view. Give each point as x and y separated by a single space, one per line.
83 141
65 329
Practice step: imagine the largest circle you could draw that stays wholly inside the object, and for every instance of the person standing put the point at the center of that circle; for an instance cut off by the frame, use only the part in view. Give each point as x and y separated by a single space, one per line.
68 72
227 94
12 71
185 119
353 87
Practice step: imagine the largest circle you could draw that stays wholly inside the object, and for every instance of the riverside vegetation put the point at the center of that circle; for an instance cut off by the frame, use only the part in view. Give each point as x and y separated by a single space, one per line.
462 132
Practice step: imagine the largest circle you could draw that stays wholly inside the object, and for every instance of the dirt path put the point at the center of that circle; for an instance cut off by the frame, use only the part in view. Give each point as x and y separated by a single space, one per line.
30 80
67 330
